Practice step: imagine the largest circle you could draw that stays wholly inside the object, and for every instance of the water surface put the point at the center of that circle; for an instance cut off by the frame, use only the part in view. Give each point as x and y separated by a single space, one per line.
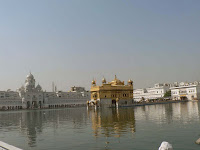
139 128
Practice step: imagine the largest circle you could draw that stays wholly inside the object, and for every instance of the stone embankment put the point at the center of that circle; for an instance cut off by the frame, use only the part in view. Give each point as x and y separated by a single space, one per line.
50 107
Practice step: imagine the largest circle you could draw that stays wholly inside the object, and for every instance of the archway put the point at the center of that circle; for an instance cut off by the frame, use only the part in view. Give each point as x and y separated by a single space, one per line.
34 104
183 98
40 104
114 102
28 104
4 108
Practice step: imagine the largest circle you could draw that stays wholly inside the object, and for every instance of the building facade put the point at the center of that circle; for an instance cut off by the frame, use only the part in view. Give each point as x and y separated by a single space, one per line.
32 96
185 91
114 93
155 92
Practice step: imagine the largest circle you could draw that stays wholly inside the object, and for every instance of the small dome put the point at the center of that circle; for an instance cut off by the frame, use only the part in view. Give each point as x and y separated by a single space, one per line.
104 80
93 82
38 87
130 82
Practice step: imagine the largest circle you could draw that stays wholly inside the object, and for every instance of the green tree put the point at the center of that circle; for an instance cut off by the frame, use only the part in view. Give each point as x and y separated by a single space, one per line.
167 94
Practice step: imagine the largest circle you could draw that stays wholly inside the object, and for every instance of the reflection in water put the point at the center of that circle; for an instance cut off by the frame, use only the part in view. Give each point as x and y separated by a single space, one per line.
75 124
112 122
32 122
186 111
167 113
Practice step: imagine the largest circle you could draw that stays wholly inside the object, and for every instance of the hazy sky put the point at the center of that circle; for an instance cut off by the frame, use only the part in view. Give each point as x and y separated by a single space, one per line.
71 42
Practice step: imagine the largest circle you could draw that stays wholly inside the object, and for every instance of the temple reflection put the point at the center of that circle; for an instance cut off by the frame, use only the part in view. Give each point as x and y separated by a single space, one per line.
112 122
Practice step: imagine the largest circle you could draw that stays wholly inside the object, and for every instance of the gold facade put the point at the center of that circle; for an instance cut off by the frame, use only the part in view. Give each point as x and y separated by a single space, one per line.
112 93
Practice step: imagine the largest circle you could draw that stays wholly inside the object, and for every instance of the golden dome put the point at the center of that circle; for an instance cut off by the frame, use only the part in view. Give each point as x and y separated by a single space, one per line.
116 81
93 82
103 80
130 82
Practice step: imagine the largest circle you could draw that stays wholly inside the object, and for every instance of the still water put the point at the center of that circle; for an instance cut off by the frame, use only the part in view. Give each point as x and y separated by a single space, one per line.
139 128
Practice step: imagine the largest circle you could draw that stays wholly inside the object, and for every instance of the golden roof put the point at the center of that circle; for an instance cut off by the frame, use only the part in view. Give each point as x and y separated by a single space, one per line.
116 81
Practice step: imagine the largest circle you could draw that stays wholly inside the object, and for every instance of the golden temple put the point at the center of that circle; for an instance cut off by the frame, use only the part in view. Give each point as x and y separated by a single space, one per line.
114 93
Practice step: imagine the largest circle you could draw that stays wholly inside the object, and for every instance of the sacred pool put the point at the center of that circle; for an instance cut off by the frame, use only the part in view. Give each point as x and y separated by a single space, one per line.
138 128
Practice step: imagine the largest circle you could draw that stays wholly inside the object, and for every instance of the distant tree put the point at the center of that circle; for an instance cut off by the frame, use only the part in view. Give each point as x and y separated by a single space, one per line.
167 94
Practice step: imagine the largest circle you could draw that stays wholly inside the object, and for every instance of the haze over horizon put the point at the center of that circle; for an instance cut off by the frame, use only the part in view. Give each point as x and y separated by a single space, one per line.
71 42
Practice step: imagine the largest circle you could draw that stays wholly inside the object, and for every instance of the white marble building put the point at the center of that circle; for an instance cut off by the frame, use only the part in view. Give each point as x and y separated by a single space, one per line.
185 91
32 96
10 100
155 92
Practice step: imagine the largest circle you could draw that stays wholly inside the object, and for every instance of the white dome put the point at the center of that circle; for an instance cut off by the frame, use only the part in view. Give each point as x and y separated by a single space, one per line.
30 76
38 87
